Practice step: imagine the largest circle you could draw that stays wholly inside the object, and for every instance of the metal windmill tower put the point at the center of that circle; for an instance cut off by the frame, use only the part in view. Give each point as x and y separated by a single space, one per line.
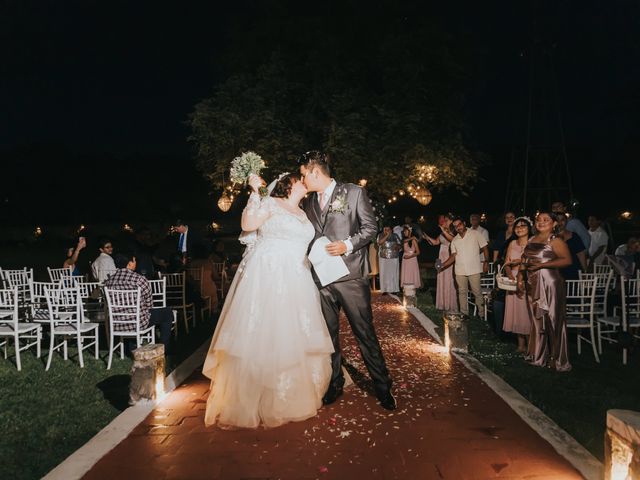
539 170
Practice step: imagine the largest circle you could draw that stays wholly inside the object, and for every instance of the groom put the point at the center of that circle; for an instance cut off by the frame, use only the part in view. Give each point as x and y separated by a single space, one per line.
342 213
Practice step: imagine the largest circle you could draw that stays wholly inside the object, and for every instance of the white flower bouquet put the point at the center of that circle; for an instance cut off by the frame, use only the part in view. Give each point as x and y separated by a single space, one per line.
247 164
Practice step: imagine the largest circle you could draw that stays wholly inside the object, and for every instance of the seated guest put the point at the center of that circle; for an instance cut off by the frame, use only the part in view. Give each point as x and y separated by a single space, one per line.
627 249
125 278
103 266
576 248
72 256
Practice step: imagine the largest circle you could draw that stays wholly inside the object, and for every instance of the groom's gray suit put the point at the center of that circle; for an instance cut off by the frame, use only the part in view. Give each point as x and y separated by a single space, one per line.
349 215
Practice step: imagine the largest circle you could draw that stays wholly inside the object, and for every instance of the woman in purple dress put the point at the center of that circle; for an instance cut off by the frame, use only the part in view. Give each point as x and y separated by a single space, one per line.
409 270
516 314
446 295
543 257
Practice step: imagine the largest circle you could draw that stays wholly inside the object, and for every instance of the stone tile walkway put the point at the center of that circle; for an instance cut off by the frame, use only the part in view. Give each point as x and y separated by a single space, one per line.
449 425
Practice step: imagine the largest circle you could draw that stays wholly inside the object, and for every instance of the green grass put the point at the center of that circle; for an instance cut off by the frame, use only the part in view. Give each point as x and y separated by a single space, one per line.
46 416
577 400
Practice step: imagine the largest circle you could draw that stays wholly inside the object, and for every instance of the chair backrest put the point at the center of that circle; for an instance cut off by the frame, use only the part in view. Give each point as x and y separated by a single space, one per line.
603 287
604 268
9 302
175 288
158 292
631 297
195 275
487 281
580 298
65 305
492 268
22 280
55 274
124 309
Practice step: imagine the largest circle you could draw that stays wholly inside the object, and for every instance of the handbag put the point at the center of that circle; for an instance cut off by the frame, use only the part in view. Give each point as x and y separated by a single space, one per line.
504 282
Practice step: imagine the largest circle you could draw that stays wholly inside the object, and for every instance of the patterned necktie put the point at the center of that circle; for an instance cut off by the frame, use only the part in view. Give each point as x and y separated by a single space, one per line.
322 200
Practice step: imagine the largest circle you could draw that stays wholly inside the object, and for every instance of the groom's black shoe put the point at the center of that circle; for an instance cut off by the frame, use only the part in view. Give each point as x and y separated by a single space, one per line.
388 401
332 395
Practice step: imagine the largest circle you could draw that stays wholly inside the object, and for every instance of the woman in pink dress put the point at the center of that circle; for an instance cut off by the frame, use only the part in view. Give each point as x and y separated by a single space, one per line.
410 271
516 315
543 257
446 295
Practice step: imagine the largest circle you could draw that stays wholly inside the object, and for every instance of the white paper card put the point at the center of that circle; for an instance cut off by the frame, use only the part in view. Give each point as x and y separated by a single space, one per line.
328 268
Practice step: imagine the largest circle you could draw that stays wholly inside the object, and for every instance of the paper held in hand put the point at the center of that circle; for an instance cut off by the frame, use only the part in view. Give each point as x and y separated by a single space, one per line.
329 268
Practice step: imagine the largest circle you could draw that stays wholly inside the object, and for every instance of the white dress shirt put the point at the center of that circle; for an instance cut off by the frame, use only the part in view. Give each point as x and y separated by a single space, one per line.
599 238
466 248
102 267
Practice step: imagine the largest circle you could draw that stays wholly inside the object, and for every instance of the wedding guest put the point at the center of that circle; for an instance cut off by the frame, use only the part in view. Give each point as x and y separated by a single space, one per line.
446 295
503 236
516 315
543 257
186 240
576 248
630 248
574 224
599 241
410 271
389 248
208 287
474 224
125 278
468 268
103 265
72 256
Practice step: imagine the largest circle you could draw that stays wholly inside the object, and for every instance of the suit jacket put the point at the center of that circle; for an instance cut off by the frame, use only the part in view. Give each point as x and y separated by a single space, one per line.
347 215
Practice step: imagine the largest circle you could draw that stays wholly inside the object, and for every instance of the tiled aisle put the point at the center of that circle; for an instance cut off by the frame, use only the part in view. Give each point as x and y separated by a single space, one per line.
449 425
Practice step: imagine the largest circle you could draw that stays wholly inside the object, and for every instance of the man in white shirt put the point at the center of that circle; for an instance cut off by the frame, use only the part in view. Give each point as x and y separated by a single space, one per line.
103 266
465 247
599 241
474 220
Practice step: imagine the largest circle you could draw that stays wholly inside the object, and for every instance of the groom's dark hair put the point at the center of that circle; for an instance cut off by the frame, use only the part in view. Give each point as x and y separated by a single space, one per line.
316 159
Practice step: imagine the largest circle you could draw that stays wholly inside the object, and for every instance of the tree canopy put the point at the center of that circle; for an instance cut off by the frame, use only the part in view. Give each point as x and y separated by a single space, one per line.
383 93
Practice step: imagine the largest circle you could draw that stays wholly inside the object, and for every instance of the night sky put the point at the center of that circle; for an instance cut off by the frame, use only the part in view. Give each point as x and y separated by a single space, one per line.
96 94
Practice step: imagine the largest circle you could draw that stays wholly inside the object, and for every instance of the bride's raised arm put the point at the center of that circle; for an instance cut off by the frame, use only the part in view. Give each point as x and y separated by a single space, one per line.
256 212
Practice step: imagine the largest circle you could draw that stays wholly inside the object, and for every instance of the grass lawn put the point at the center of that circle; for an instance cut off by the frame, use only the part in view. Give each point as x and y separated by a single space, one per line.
577 400
46 416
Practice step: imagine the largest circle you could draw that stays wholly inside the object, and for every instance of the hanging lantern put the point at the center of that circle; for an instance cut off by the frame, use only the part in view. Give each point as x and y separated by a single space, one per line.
424 197
224 202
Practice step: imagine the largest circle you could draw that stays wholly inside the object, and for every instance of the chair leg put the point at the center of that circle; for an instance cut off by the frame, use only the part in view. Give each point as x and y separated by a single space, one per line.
111 348
51 340
39 340
121 349
65 349
594 346
599 339
97 350
579 345
17 343
186 320
79 340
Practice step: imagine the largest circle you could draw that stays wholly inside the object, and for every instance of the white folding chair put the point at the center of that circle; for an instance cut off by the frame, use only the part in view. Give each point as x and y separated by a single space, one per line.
220 271
38 308
602 269
580 311
21 279
11 327
66 320
195 274
176 296
159 300
124 320
630 309
487 285
55 274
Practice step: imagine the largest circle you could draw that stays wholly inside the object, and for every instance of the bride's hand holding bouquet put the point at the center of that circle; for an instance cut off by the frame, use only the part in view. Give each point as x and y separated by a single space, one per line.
247 166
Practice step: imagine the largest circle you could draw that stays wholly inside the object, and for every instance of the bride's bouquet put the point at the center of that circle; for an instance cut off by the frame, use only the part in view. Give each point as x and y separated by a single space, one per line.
247 164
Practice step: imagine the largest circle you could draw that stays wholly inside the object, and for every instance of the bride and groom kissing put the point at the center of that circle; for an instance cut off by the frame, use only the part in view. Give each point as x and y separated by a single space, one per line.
275 355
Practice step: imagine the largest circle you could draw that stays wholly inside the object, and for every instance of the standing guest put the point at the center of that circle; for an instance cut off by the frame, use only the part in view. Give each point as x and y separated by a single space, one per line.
503 237
516 315
389 247
72 256
542 260
574 224
474 224
410 272
468 268
186 240
576 248
103 265
125 278
599 241
446 295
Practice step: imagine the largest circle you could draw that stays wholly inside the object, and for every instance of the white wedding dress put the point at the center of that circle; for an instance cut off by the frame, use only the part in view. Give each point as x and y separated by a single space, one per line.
269 360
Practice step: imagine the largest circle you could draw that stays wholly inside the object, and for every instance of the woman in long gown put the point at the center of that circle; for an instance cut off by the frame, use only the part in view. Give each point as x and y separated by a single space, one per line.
516 314
543 257
389 248
269 360
409 270
446 294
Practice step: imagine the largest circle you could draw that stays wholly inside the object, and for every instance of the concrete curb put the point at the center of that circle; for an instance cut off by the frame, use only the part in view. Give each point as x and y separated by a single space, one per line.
77 464
563 443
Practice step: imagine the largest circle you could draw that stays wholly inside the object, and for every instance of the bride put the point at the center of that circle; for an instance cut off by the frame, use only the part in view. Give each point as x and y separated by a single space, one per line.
269 360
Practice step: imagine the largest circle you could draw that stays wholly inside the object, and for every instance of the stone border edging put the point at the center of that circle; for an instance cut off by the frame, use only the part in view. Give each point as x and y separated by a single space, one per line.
82 460
563 443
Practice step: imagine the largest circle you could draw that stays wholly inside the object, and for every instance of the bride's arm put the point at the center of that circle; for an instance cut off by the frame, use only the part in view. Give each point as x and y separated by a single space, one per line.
255 213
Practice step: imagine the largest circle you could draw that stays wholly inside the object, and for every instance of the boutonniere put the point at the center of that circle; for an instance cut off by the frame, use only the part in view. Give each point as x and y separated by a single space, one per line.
339 204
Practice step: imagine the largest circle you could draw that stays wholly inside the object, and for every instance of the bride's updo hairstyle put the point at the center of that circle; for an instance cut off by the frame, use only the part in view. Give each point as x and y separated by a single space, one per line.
283 186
